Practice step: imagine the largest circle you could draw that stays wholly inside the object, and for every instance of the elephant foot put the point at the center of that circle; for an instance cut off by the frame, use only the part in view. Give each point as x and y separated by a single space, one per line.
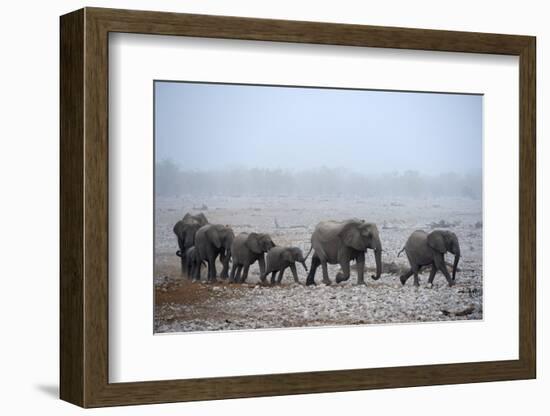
402 279
340 278
361 283
327 282
310 283
451 283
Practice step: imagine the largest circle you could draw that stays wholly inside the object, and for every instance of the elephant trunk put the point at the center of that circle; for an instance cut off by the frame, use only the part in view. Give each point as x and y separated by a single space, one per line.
304 264
455 264
378 258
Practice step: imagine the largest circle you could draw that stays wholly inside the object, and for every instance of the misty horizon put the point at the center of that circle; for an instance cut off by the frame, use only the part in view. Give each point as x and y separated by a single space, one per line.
343 169
205 127
172 180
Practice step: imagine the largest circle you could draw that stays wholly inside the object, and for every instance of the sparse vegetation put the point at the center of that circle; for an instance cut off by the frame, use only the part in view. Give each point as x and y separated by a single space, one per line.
171 180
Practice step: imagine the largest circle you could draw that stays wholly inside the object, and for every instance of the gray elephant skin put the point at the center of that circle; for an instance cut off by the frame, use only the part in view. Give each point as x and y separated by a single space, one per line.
211 241
279 258
191 260
425 249
185 231
336 242
247 248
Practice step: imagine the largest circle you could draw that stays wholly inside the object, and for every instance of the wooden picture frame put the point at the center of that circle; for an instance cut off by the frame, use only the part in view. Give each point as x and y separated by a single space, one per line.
84 207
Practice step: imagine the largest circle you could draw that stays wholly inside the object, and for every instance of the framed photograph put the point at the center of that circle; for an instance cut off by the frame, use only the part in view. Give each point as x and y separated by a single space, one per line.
254 207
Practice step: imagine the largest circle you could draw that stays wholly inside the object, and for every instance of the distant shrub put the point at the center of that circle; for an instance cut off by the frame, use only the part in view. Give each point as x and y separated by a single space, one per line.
171 180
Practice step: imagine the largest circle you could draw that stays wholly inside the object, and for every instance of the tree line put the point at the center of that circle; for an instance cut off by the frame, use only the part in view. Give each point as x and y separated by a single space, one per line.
172 180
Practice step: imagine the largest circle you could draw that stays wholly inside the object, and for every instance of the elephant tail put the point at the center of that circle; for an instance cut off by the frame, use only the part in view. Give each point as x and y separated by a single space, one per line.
308 253
402 250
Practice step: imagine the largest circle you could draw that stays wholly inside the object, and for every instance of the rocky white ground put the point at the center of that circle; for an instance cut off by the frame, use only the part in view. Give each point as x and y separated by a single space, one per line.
182 306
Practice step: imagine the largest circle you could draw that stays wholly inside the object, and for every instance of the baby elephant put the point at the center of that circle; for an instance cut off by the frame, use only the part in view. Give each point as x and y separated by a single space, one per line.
192 261
425 249
247 248
279 258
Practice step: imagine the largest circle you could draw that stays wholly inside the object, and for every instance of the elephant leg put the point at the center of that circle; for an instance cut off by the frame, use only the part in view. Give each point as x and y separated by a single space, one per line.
261 263
182 255
191 269
281 274
245 273
263 274
225 268
324 266
273 277
232 275
344 260
238 273
416 281
440 264
404 277
197 272
183 263
433 271
315 262
294 273
345 273
212 273
361 269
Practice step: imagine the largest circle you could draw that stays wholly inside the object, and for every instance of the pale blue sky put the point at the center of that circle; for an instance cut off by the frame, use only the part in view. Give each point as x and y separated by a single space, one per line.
217 126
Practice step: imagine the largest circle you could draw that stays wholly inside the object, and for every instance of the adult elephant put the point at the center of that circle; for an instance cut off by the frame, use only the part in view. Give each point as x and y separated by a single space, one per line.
425 249
336 242
247 248
211 241
185 230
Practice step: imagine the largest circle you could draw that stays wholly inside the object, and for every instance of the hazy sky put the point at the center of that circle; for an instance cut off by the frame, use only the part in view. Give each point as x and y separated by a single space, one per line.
215 126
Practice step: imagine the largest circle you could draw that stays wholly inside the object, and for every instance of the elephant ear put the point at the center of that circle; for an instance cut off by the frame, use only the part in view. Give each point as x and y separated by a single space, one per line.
178 228
287 256
214 236
437 242
201 218
253 243
229 237
351 236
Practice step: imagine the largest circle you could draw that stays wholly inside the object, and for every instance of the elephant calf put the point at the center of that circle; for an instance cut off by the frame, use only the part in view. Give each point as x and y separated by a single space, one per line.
245 250
425 249
279 258
192 261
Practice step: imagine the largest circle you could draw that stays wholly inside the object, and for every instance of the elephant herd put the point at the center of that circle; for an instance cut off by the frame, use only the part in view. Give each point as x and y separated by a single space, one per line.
332 242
